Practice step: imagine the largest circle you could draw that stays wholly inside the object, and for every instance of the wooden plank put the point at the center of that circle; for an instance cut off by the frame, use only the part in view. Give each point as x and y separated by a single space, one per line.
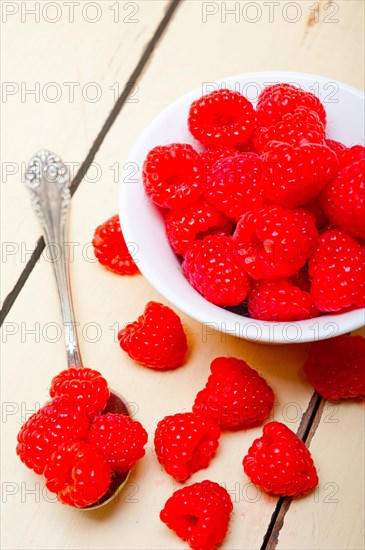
60 81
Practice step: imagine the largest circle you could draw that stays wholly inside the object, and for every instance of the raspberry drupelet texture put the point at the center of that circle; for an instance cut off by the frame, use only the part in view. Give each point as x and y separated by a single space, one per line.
119 439
86 386
213 267
337 271
199 514
185 443
210 157
279 462
296 175
280 300
173 175
111 250
236 184
335 367
351 155
221 118
277 100
336 146
344 198
275 242
235 395
157 339
41 435
196 221
78 474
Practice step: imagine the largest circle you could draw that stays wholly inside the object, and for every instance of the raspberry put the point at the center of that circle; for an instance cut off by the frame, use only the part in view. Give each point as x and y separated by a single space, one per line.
277 100
221 118
199 514
213 267
279 462
337 271
344 198
235 395
78 474
172 175
210 157
297 128
295 175
351 155
334 145
111 250
56 422
157 339
86 386
196 221
235 184
280 300
119 439
275 242
185 443
335 367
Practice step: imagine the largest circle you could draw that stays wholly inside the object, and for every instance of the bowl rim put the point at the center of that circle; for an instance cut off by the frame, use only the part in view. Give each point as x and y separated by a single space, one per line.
223 320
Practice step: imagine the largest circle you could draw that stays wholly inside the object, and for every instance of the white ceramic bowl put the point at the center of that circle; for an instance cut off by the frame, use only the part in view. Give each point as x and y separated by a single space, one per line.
143 226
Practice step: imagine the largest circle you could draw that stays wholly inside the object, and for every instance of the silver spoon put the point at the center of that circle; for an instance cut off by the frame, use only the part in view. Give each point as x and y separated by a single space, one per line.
48 181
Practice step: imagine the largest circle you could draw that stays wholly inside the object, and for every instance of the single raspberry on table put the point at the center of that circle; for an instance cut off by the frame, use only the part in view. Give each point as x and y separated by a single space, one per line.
275 242
235 395
296 175
184 225
199 514
297 128
335 146
157 339
84 385
78 474
221 118
335 367
214 268
280 463
280 300
185 443
111 249
119 439
56 422
236 184
344 197
337 271
277 100
173 175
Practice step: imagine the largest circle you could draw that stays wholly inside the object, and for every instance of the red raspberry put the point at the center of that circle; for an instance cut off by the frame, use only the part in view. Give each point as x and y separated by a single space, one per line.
157 339
295 175
351 155
315 207
275 242
41 435
280 300
235 185
199 514
210 157
221 118
86 386
172 175
297 128
337 271
111 249
279 462
335 367
78 474
185 443
344 199
277 100
235 395
335 146
119 439
196 221
213 267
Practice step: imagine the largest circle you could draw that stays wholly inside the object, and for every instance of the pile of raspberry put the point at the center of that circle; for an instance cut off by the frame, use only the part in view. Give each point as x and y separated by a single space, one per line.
78 448
272 212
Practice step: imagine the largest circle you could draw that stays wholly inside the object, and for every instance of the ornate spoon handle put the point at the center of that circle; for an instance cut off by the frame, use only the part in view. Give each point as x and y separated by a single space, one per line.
47 178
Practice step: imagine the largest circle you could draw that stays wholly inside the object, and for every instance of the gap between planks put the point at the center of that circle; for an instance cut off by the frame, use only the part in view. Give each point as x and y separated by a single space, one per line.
137 72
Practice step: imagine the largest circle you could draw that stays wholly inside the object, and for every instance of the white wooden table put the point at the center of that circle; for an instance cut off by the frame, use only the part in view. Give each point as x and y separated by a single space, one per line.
83 79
